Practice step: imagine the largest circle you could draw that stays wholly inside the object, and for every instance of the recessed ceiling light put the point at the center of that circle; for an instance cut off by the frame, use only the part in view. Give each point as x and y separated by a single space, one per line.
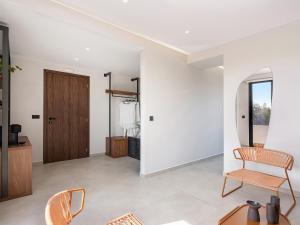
87 49
187 32
125 1
76 59
221 67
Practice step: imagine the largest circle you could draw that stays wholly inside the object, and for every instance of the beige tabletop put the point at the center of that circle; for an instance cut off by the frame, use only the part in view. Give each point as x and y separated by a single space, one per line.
238 216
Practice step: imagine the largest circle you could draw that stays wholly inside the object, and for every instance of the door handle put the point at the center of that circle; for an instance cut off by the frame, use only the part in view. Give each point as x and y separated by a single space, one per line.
50 119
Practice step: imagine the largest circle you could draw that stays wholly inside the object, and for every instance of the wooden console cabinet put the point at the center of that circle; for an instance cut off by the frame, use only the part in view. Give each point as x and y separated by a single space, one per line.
119 147
20 169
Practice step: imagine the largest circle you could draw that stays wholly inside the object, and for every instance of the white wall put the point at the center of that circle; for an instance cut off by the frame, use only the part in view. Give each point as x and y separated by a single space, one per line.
169 88
278 49
187 107
243 109
27 99
171 94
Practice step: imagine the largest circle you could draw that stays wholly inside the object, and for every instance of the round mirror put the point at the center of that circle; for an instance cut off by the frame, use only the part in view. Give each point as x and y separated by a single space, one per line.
253 108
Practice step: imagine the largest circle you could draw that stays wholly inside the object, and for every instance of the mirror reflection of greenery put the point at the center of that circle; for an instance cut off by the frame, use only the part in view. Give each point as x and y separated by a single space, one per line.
261 114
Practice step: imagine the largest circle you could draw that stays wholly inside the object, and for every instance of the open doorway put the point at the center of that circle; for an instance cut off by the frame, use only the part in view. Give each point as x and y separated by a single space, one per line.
253 108
260 102
123 137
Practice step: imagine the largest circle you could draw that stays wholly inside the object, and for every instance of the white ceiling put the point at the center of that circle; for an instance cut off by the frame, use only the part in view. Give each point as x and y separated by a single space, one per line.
210 22
209 62
41 32
36 35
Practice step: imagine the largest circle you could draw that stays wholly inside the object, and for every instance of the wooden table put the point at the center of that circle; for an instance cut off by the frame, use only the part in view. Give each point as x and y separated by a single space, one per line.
238 216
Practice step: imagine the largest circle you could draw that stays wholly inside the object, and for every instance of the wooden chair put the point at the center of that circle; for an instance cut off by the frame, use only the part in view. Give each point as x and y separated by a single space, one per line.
58 209
264 180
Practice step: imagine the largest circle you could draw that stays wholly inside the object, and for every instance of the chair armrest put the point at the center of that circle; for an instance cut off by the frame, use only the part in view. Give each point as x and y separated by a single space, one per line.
290 165
235 154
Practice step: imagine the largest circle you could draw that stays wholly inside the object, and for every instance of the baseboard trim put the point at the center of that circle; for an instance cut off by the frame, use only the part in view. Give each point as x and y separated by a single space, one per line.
179 166
98 154
38 163
287 191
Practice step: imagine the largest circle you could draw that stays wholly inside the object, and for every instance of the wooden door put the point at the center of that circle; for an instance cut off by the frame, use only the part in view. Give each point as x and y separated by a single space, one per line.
66 116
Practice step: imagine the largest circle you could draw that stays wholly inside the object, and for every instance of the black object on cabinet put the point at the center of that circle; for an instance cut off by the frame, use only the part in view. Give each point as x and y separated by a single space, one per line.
13 134
134 147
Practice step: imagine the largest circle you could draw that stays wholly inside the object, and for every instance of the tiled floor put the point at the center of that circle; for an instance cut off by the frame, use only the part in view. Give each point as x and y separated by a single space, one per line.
188 196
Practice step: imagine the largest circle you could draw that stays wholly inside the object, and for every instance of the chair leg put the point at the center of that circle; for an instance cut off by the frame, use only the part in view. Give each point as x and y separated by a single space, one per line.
229 192
293 196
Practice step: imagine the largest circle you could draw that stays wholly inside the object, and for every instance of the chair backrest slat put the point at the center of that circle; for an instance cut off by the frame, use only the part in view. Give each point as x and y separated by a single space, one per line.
58 209
266 156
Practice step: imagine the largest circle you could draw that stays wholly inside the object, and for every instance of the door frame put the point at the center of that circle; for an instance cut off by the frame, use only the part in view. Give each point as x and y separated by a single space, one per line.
250 106
45 115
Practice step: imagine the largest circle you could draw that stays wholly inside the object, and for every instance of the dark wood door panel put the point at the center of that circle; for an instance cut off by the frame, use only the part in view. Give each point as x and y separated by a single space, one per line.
60 112
74 117
83 113
48 105
66 104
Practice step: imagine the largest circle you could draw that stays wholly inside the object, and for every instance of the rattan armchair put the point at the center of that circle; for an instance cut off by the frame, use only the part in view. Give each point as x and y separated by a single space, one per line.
256 178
